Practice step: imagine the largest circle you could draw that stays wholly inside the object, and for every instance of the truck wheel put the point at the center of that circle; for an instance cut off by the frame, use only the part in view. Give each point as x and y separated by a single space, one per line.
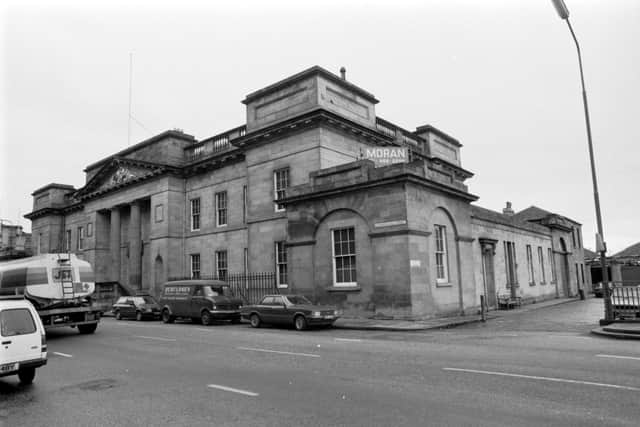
26 375
87 329
300 323
138 316
118 315
255 321
205 318
166 316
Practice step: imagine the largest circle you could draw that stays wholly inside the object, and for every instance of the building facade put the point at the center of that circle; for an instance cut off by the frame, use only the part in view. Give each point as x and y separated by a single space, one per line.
342 205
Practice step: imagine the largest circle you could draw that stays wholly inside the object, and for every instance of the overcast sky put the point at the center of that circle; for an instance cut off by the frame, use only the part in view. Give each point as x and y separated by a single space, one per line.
500 76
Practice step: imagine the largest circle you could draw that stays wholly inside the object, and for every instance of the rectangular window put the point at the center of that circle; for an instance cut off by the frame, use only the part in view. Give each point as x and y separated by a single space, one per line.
89 229
281 264
221 209
244 204
80 238
344 257
579 237
510 263
582 272
442 258
195 214
573 236
552 263
245 261
195 266
39 243
541 261
221 265
67 241
280 184
159 213
532 279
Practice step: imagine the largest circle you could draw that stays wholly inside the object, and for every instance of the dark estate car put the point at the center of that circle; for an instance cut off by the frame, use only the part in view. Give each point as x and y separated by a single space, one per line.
200 300
138 307
293 310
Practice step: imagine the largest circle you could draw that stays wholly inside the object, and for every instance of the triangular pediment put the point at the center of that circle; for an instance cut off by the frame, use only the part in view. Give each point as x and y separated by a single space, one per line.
118 173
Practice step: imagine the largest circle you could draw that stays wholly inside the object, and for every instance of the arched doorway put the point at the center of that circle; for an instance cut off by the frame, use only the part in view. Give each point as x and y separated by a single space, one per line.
158 274
564 268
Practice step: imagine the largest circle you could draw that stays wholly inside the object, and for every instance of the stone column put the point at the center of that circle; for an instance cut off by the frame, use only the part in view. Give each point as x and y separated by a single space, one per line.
114 244
135 248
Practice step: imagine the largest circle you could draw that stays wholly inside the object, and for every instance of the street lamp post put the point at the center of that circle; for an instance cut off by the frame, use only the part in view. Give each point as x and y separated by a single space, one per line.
563 12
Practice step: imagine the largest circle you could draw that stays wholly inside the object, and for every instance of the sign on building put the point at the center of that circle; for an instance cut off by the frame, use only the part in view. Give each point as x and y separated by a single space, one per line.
384 156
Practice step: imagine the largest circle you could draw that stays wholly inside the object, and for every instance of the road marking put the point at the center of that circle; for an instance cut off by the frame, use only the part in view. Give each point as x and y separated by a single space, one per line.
570 336
349 339
613 356
533 377
154 338
278 352
234 390
62 354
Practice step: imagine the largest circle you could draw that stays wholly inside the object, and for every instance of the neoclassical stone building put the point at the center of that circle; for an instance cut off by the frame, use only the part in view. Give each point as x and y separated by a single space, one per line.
296 190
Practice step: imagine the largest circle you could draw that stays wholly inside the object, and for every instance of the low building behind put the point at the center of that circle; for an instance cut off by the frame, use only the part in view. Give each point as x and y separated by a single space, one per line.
14 242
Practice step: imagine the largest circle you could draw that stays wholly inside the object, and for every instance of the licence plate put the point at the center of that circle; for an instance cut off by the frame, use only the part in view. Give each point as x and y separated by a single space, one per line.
328 317
10 367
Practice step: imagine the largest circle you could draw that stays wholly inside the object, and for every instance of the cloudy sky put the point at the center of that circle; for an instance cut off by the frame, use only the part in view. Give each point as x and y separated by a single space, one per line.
500 76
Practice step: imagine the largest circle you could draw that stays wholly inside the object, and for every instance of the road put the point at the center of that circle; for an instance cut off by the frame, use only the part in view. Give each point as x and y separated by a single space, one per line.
536 368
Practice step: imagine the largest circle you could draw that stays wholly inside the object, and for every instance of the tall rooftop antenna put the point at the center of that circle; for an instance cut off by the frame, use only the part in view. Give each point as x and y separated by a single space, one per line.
130 79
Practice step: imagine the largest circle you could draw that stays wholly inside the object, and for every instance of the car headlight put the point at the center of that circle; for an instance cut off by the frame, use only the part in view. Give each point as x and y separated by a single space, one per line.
315 314
148 310
337 312
214 308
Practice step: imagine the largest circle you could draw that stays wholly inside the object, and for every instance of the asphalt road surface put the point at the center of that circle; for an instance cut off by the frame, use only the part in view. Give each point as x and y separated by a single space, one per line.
540 368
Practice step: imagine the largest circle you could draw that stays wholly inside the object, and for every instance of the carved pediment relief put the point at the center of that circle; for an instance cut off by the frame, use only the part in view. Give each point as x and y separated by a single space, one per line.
121 175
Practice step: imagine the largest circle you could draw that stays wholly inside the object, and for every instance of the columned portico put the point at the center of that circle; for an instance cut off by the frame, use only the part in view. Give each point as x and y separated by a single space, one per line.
114 244
135 246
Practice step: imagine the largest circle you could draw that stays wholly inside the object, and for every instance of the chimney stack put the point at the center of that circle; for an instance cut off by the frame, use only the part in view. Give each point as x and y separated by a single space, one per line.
343 73
508 210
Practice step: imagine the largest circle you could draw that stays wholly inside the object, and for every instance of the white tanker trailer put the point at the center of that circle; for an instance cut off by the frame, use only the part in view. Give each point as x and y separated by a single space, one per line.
58 285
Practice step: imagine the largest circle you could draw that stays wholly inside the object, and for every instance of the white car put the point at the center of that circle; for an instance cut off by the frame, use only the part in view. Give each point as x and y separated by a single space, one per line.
23 344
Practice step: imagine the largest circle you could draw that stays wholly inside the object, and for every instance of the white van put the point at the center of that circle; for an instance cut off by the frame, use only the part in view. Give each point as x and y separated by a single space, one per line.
23 344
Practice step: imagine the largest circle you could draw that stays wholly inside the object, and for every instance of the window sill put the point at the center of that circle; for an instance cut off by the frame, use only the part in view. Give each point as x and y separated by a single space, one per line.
444 285
344 289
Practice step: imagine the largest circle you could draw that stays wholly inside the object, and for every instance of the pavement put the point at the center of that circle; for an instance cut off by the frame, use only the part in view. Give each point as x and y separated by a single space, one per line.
440 322
622 330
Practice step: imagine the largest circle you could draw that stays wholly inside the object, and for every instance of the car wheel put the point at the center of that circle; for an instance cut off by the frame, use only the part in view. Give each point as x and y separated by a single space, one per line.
205 318
300 323
118 315
138 316
166 316
255 321
87 329
27 375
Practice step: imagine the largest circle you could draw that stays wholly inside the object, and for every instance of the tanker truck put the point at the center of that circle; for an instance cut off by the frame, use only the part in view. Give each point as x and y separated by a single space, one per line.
58 285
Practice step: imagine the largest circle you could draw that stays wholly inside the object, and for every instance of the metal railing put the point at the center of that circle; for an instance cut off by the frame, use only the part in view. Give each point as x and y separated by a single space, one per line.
625 299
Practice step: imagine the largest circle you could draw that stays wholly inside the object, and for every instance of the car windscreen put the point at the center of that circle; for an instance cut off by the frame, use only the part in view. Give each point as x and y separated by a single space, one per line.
298 300
144 300
214 291
16 321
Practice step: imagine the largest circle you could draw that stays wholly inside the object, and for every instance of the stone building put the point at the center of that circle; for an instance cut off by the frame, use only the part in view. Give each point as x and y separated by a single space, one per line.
14 242
306 189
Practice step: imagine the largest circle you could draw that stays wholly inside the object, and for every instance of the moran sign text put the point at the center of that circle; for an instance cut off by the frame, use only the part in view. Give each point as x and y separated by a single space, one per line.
383 156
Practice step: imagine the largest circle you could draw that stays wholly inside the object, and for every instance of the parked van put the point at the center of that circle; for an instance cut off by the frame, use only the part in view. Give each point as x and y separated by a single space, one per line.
23 342
201 300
